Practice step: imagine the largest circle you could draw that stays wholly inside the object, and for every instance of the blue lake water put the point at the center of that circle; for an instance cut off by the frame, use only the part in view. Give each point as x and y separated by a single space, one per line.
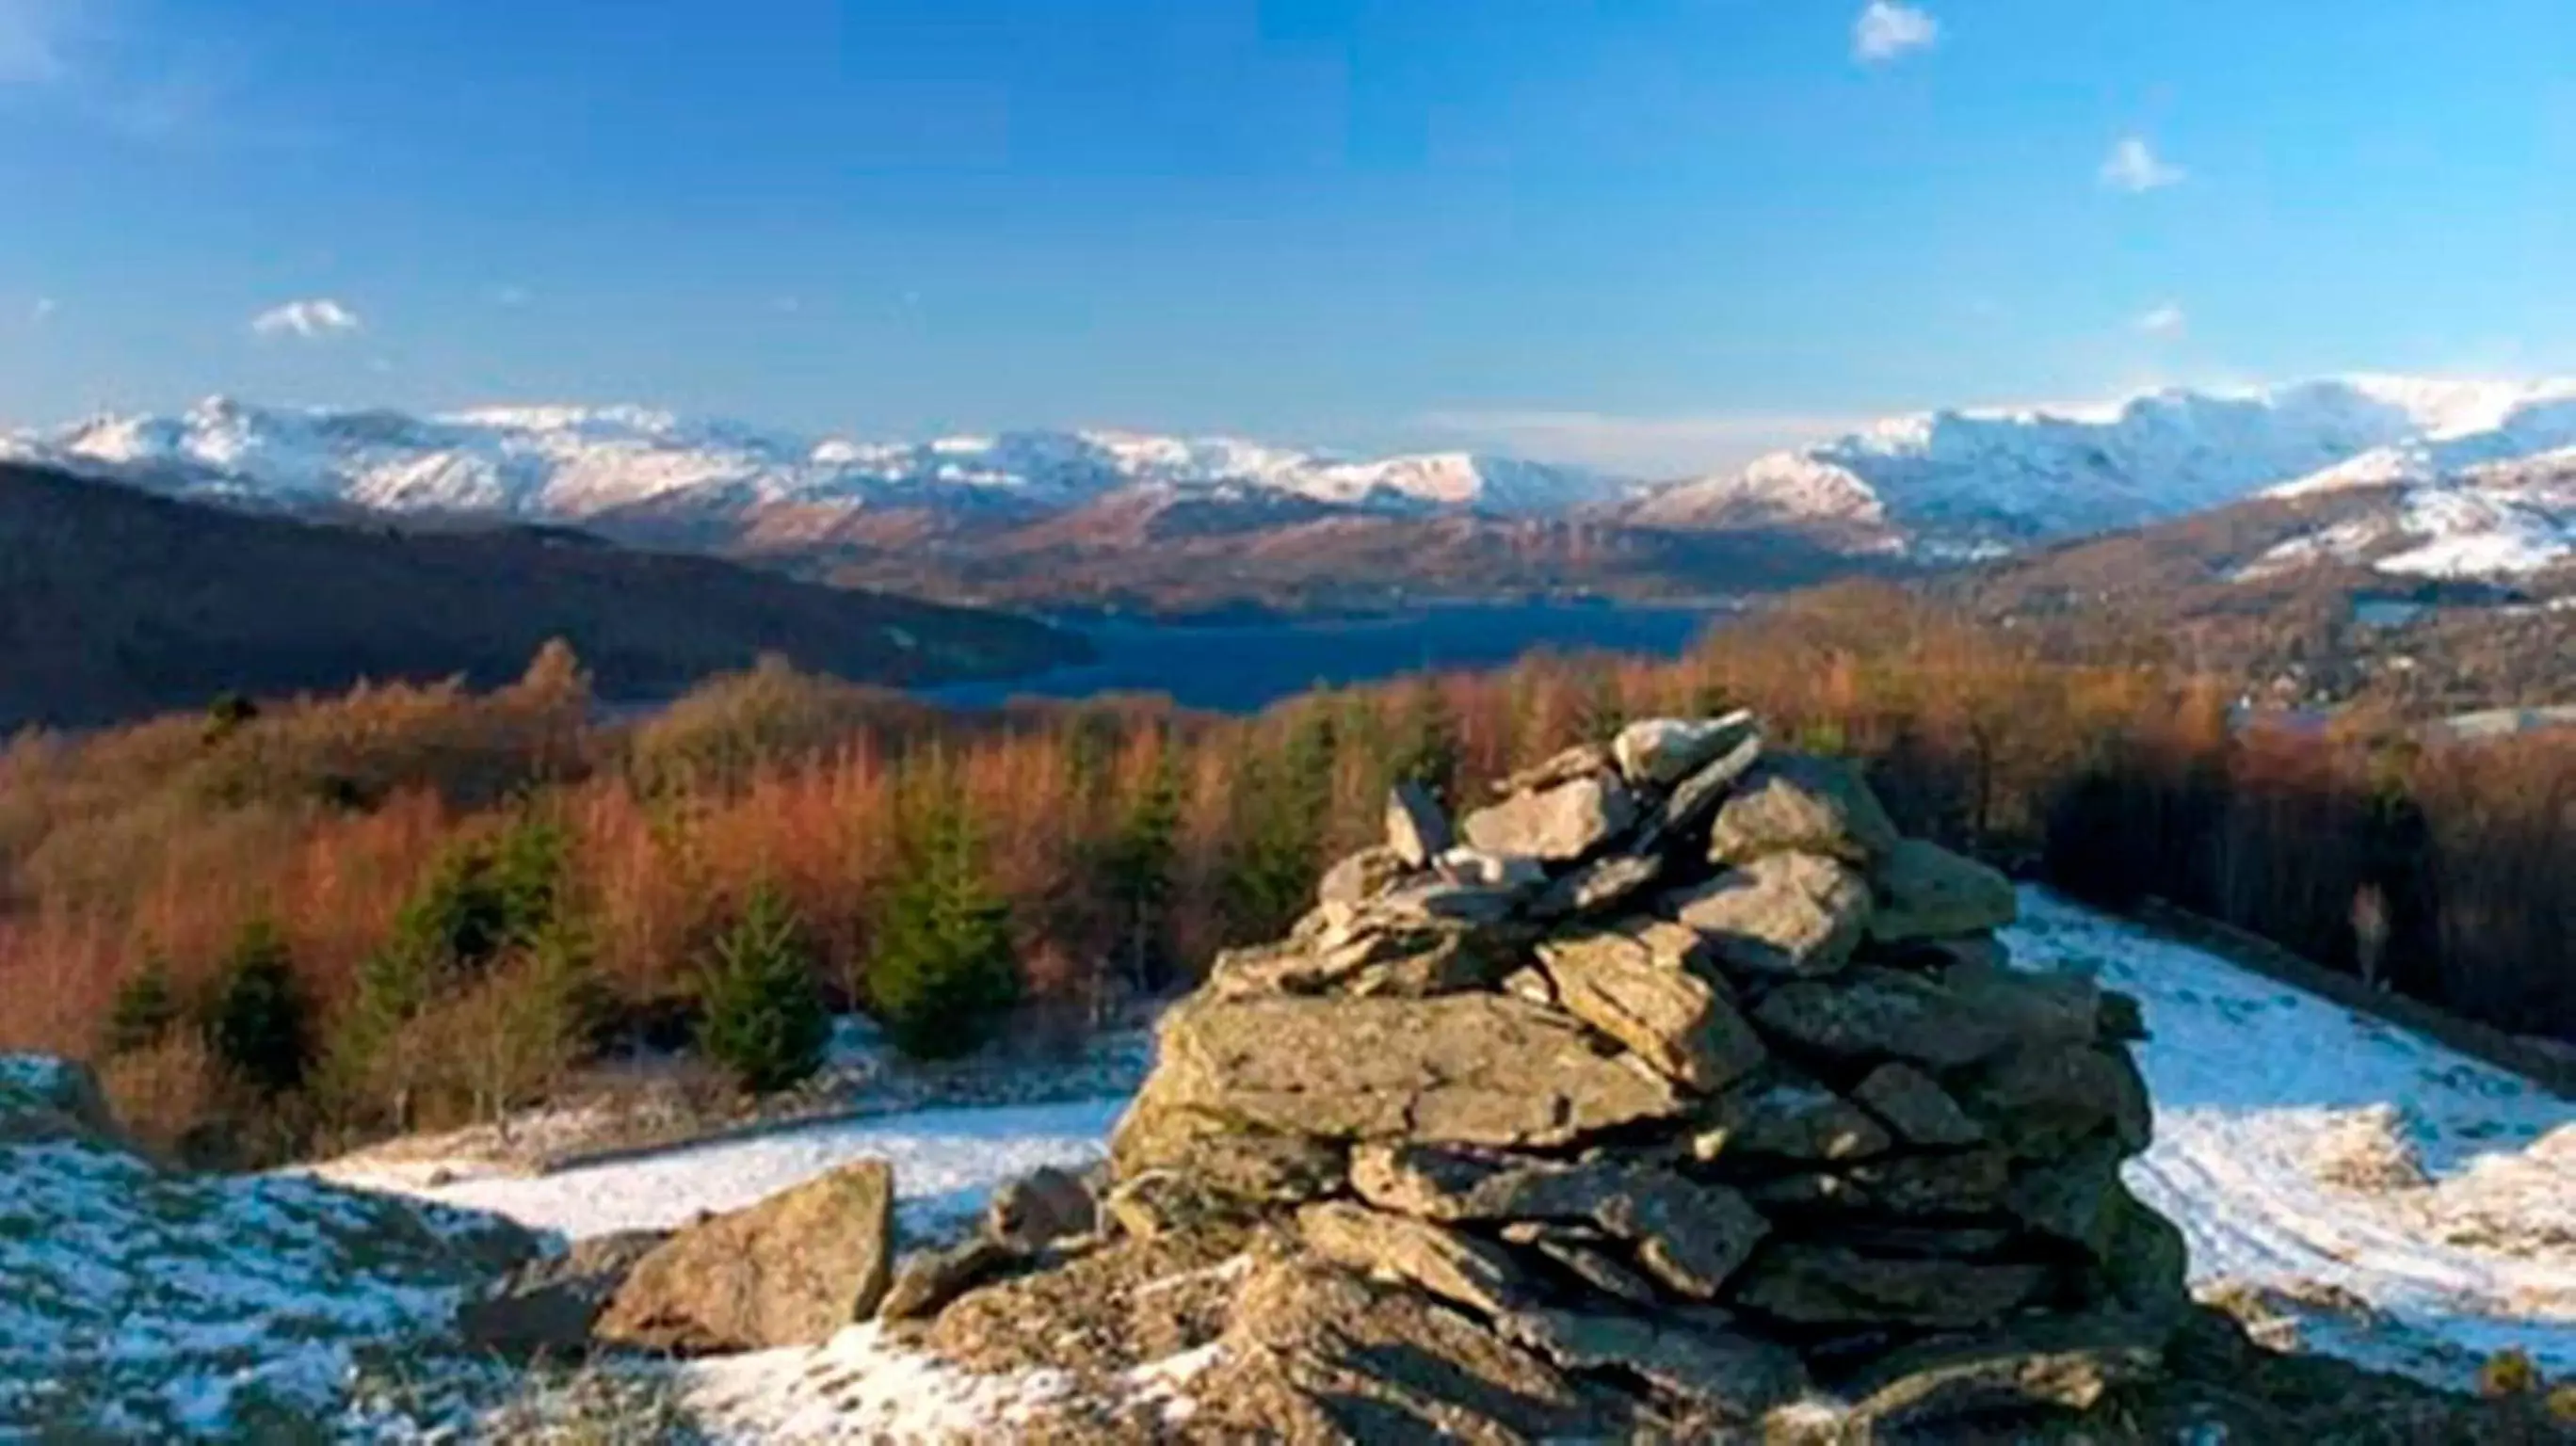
1239 668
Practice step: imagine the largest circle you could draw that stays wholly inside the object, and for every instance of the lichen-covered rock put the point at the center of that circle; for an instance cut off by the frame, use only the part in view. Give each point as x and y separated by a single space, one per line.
1602 884
1041 1207
2040 1102
1779 914
1818 1285
1809 805
1559 825
926 1280
1580 1251
1661 751
1689 1235
1317 1355
1455 1267
1580 761
1732 1379
1927 892
2065 1363
547 1307
1465 1068
1362 876
1686 810
1680 1022
1916 1106
790 1270
1874 1013
1790 1119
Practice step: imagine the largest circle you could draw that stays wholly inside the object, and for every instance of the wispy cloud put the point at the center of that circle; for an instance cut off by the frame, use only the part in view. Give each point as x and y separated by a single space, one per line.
315 319
2134 166
1887 29
1636 446
512 297
2164 323
43 310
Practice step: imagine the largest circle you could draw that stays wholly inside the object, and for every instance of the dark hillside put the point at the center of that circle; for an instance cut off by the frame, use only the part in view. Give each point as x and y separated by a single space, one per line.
114 603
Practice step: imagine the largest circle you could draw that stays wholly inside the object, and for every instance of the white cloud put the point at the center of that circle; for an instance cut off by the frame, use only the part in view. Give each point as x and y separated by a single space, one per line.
44 309
2134 166
512 297
314 319
1887 29
2165 322
1653 447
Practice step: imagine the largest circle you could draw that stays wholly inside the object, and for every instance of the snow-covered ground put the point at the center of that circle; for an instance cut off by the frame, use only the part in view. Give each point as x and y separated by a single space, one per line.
2419 1205
945 1162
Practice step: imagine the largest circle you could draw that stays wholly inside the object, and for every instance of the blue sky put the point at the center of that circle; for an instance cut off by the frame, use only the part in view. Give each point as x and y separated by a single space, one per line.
1648 233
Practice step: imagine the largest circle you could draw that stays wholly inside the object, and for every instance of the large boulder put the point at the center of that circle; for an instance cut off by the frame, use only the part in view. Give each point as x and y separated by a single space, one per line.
791 1270
548 1306
1811 805
1779 914
1465 1068
1557 825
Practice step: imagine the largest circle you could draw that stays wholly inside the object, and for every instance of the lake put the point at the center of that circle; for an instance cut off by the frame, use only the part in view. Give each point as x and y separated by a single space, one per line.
1240 668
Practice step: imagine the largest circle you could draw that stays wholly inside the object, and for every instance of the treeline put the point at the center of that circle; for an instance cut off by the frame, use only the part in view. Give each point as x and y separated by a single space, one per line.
412 906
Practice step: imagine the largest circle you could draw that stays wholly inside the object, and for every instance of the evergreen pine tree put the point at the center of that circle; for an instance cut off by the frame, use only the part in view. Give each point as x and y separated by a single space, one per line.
943 973
143 1011
259 1020
1283 806
1429 752
1136 872
764 1020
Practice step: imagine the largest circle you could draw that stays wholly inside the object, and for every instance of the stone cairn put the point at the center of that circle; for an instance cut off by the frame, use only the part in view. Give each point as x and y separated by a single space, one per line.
1691 1099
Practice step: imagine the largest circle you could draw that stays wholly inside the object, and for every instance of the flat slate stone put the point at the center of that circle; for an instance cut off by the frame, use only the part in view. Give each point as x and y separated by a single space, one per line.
1916 1105
1690 1235
1927 892
1558 824
1677 1021
1455 1267
1822 1285
1660 751
1464 1068
1872 1012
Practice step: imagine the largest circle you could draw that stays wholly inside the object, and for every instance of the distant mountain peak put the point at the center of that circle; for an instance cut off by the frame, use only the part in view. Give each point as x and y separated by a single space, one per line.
1971 481
571 463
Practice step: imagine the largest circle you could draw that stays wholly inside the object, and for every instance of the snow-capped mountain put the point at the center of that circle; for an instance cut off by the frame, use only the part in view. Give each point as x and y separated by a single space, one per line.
2485 484
573 463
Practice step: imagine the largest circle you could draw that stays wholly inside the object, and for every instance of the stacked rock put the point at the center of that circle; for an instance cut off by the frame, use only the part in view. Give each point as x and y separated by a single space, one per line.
1675 1066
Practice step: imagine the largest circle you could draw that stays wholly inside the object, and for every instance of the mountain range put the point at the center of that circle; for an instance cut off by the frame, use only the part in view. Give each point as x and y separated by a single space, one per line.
2434 478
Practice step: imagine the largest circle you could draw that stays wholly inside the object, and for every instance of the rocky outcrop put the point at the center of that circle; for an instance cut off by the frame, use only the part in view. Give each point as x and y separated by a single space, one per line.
791 1270
1686 1088
550 1306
